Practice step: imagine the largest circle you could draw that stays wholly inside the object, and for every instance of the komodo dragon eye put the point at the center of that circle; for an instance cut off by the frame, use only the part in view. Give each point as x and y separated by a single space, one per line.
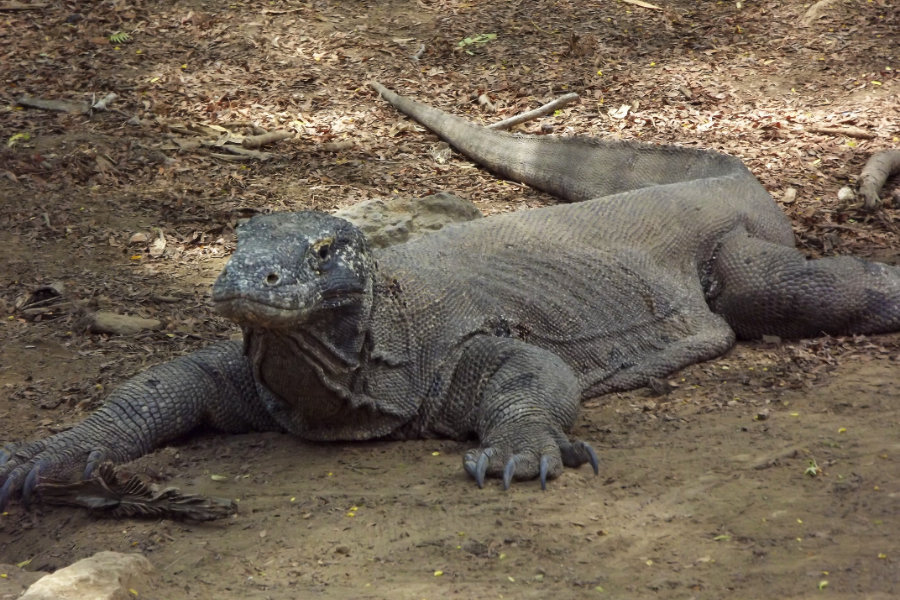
322 251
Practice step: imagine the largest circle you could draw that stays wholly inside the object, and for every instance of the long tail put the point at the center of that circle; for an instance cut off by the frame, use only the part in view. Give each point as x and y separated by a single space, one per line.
571 168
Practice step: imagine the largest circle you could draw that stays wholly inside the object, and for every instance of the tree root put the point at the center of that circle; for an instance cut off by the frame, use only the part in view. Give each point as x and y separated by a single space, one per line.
881 166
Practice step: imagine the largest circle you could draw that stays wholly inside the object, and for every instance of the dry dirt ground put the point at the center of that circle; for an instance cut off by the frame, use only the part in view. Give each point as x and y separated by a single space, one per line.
773 472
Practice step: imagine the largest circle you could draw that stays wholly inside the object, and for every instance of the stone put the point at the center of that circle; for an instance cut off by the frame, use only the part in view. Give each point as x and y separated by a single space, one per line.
387 221
103 576
108 322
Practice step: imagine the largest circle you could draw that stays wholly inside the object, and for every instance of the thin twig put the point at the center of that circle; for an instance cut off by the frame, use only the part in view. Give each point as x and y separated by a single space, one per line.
534 114
854 132
642 4
23 6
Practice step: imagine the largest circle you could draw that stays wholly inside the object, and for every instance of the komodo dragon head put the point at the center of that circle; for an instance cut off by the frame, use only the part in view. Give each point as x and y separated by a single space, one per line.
294 270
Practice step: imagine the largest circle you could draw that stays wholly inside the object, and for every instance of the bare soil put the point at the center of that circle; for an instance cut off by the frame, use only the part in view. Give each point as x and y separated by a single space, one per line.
771 472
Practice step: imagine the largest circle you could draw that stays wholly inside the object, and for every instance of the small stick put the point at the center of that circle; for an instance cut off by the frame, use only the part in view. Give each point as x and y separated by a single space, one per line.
534 114
258 141
23 6
642 4
854 132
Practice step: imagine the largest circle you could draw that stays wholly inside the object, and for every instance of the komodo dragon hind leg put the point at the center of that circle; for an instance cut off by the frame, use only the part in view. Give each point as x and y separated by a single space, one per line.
769 289
518 400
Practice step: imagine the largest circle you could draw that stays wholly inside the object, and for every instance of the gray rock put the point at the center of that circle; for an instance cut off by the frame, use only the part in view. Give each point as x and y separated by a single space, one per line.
387 221
103 576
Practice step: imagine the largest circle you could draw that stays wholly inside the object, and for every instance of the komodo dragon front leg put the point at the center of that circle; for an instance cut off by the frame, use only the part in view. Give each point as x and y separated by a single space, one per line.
213 387
518 400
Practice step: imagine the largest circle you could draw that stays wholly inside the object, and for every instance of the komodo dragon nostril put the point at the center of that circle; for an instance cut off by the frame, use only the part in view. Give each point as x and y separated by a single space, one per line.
273 278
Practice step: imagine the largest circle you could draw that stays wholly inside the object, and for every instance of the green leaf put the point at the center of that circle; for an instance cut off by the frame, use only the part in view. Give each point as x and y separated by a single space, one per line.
119 37
480 38
16 138
813 469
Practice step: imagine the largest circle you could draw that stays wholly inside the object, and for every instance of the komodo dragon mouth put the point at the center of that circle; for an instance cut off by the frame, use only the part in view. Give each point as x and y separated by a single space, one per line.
274 314
262 313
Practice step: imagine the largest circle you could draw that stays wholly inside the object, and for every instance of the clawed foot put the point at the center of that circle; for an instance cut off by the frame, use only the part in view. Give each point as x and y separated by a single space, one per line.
18 474
528 464
22 467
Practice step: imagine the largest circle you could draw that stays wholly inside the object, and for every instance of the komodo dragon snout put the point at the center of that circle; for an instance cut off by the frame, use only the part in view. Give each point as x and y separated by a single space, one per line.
289 267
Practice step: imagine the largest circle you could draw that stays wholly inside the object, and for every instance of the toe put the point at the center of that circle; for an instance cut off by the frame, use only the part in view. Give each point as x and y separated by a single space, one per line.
575 454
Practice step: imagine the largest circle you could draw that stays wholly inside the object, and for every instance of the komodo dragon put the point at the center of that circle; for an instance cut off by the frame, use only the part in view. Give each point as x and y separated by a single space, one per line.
492 329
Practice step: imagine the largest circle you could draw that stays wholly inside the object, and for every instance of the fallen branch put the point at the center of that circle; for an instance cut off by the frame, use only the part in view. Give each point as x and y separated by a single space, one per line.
281 11
642 4
264 139
534 114
69 106
22 6
878 169
854 132
66 106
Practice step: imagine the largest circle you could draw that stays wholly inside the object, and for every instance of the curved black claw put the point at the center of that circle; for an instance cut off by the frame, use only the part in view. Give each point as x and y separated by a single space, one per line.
545 467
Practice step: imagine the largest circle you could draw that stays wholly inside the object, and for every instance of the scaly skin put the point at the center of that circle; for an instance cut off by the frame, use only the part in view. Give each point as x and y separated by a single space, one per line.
492 330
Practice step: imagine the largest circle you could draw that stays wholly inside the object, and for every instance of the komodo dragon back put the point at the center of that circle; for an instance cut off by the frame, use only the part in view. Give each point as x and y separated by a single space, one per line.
740 241
575 168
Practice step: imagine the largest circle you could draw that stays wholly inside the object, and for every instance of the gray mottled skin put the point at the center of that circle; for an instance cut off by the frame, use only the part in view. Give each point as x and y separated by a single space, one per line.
493 329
